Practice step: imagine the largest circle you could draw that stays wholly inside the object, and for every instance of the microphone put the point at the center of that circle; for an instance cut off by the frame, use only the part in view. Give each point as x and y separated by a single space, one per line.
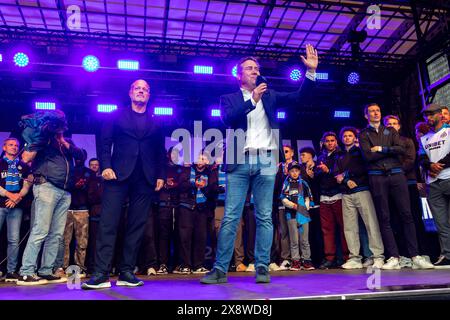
260 79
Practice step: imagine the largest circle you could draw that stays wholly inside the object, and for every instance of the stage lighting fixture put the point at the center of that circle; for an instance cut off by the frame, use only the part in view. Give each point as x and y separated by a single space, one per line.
353 78
39 105
234 71
106 107
203 69
295 75
281 115
215 112
129 65
91 63
163 111
21 59
341 114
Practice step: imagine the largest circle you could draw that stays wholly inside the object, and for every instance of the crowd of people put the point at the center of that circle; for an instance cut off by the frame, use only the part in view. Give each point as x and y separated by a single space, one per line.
336 208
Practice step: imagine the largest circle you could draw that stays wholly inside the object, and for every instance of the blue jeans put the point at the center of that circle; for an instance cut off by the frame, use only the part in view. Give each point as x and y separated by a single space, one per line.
13 218
49 214
260 177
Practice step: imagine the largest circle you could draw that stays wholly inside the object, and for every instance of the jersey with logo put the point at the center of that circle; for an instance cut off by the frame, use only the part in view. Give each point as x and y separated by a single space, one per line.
436 145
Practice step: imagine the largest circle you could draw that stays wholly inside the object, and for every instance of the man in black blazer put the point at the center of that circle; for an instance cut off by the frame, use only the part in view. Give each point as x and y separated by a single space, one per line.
135 169
252 161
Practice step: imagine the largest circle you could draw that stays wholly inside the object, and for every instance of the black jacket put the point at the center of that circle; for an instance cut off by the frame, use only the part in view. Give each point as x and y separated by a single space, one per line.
328 185
389 140
408 159
188 190
120 132
234 112
79 192
169 195
55 163
352 165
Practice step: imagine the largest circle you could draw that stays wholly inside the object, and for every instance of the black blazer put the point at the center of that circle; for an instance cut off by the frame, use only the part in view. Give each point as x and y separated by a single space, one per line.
234 112
120 133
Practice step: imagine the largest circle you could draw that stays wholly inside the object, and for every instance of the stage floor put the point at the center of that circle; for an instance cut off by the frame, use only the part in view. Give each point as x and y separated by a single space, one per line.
327 284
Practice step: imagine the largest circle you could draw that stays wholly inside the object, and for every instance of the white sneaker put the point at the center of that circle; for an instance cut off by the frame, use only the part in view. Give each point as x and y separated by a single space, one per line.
368 262
151 272
200 270
378 263
274 267
250 268
352 264
392 264
285 265
419 262
405 262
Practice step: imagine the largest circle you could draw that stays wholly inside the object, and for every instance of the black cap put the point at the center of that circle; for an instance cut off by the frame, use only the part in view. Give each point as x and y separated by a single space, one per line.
294 164
432 108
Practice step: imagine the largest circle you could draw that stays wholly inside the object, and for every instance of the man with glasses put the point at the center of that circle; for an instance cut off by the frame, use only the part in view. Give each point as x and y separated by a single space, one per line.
251 161
135 169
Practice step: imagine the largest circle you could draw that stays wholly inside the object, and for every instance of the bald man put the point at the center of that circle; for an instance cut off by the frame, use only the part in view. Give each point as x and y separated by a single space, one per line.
135 169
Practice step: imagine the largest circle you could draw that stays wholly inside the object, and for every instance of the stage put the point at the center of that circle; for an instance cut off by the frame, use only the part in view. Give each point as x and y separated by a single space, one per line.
327 284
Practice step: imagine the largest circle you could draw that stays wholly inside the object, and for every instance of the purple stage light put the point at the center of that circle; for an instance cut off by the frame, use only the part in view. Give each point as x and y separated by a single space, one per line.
203 69
281 115
215 112
130 65
353 78
295 75
341 114
21 59
163 111
91 63
40 105
106 107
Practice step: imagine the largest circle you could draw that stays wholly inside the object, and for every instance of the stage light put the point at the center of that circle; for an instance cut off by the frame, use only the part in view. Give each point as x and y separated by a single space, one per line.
106 107
163 111
130 65
21 59
39 105
295 75
215 112
322 75
203 69
341 114
353 78
281 115
1 57
91 63
234 71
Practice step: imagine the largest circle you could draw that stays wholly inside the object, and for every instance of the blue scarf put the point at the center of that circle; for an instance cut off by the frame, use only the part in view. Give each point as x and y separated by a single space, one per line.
301 215
13 176
199 196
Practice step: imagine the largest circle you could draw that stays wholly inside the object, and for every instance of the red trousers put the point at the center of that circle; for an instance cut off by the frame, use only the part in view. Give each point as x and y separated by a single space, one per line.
330 216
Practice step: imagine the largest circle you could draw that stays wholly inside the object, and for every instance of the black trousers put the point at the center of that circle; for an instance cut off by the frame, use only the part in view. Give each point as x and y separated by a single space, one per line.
140 193
165 233
148 254
192 233
381 187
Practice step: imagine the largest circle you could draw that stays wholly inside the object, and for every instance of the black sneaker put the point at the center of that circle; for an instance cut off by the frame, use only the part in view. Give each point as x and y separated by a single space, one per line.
262 275
215 276
33 280
12 277
97 281
162 270
182 270
52 278
128 279
327 264
442 264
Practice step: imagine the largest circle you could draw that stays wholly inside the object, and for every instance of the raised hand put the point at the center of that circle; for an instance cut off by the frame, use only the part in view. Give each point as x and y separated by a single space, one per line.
312 58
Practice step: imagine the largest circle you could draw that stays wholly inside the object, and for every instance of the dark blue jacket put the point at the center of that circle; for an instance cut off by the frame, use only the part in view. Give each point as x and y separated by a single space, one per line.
234 112
120 132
